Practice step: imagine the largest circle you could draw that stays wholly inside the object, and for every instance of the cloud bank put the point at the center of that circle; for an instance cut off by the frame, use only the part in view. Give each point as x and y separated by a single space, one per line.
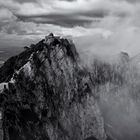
105 26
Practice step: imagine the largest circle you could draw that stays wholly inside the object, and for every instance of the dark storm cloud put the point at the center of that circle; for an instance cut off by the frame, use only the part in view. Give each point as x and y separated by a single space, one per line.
63 20
66 13
25 1
62 13
68 0
67 20
133 1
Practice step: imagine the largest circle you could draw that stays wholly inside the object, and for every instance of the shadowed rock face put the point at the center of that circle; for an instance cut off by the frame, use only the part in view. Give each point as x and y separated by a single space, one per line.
91 138
50 96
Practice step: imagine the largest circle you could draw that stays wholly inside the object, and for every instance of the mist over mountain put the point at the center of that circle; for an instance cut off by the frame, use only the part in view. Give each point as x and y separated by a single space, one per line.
80 82
51 91
48 95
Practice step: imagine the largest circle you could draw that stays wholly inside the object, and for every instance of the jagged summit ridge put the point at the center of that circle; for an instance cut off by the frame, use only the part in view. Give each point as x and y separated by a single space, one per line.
49 95
50 43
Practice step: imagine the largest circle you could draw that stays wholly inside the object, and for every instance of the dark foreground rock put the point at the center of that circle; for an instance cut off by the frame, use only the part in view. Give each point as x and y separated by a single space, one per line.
49 95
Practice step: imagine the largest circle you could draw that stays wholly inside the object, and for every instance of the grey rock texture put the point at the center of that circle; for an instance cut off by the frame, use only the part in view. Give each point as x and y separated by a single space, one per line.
50 97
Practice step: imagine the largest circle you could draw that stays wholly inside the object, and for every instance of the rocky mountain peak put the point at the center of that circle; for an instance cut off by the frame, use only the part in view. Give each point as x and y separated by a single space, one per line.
51 44
49 95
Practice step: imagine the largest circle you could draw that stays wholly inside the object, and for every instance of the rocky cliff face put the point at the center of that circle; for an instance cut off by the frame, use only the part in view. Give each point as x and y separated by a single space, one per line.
49 95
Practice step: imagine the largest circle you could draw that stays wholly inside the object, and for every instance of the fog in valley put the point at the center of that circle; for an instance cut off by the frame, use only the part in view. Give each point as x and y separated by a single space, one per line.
117 89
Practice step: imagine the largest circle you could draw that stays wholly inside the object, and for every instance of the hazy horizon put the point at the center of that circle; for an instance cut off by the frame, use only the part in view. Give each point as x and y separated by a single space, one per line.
108 26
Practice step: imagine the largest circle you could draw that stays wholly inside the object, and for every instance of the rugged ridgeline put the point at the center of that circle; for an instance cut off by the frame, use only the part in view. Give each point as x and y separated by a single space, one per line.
48 95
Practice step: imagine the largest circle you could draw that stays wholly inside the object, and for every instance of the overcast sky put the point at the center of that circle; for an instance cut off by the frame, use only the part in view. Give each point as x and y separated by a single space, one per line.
103 26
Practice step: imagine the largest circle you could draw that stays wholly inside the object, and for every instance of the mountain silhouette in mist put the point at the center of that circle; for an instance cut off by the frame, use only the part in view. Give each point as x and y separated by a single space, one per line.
48 95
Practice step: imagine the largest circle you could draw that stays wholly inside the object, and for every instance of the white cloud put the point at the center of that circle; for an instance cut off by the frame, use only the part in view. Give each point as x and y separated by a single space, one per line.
118 30
49 6
6 15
